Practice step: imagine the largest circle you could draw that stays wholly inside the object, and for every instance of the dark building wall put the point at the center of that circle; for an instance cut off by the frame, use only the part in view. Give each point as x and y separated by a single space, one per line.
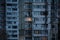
58 19
2 20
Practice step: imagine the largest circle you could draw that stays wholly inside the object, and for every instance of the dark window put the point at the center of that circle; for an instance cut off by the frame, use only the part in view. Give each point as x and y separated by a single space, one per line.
14 27
14 31
36 38
14 22
9 4
8 13
14 9
14 0
9 26
28 38
9 22
8 17
12 39
14 35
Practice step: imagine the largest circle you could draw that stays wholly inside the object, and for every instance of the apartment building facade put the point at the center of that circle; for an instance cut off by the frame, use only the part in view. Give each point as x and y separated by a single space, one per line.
38 20
31 19
12 19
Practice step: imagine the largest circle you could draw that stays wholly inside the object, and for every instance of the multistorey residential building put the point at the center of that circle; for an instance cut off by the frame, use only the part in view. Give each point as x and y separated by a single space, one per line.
38 19
31 19
12 19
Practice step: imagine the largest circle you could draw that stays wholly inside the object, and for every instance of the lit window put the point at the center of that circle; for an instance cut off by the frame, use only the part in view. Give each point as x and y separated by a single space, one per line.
28 19
14 35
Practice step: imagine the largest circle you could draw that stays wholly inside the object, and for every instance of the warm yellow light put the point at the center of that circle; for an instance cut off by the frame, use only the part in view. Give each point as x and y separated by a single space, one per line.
28 19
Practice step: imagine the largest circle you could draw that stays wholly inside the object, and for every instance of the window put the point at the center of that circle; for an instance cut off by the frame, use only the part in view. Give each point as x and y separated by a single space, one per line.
14 35
28 38
9 4
14 27
37 0
14 22
40 0
14 18
8 9
43 13
44 32
12 5
9 31
41 32
9 22
14 31
8 18
9 26
14 13
8 13
39 6
28 0
36 13
27 6
28 32
27 14
43 0
9 35
14 0
12 39
8 0
43 19
14 9
36 19
36 31
45 26
37 38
